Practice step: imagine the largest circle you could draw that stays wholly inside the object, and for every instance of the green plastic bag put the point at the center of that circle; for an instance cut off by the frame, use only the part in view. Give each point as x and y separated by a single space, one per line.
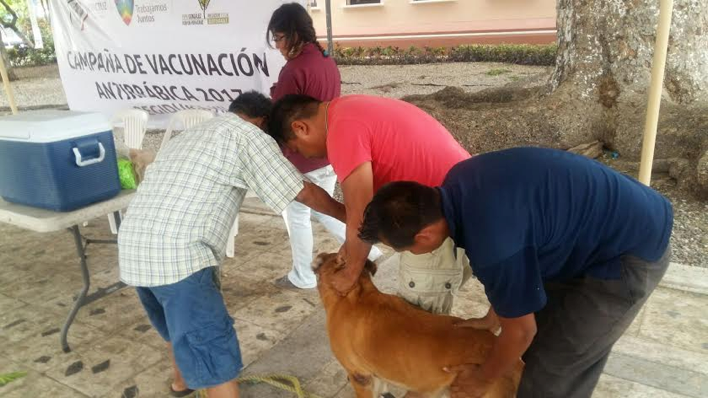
126 174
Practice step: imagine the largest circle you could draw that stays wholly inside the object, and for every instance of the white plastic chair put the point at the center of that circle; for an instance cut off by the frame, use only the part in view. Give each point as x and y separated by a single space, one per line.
185 119
134 122
230 244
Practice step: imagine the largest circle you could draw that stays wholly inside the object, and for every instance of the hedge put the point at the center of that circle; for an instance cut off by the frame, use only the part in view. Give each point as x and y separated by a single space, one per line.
523 54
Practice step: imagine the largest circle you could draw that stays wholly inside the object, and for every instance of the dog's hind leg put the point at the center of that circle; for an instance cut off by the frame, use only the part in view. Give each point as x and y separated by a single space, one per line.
362 384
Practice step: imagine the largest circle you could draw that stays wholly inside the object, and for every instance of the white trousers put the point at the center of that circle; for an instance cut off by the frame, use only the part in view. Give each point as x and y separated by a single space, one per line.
297 219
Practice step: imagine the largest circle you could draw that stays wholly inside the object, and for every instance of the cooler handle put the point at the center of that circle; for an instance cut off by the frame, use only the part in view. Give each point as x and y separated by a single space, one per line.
81 163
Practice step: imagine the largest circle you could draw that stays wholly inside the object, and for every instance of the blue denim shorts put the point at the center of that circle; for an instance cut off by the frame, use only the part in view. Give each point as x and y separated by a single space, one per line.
191 315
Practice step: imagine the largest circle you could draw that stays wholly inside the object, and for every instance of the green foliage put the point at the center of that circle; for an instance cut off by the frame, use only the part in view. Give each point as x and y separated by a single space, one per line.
10 377
25 56
523 54
18 6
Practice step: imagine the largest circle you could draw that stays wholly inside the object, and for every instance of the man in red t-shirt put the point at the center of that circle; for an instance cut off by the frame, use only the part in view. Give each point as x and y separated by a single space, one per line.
371 141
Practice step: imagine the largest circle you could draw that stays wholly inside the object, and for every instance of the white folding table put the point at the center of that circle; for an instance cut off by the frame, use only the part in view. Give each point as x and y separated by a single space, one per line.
40 220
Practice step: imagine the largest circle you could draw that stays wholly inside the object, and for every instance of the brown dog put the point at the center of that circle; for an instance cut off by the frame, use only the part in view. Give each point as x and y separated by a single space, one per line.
379 338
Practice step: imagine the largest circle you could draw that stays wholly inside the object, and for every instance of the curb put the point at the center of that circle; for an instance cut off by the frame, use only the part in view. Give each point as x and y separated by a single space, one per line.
686 278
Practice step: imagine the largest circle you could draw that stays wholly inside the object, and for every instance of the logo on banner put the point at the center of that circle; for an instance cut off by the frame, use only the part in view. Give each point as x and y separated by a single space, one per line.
77 14
218 18
125 10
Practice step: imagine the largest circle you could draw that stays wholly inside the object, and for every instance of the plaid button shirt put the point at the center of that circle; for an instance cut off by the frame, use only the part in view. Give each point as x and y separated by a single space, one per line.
181 217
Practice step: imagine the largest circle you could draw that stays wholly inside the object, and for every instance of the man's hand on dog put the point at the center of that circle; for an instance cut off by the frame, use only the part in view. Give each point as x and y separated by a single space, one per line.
469 382
344 279
488 322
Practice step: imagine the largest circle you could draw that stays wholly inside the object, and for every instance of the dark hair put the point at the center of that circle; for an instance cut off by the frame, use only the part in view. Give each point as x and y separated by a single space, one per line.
295 23
285 111
252 104
398 211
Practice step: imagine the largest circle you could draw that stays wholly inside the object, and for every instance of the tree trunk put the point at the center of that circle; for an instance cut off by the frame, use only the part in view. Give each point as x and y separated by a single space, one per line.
605 51
10 72
599 87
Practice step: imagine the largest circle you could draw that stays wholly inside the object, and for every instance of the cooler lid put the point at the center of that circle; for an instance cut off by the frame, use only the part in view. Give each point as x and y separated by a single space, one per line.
51 125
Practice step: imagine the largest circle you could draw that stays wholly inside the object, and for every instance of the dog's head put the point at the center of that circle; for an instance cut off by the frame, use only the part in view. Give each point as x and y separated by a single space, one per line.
327 264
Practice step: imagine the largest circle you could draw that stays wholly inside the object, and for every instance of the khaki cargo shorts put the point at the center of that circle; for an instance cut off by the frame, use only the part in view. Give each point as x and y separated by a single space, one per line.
430 281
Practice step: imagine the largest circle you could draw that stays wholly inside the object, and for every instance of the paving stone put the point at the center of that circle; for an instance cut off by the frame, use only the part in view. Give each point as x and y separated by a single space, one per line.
143 333
658 375
239 289
267 266
152 382
125 360
328 381
302 354
676 318
45 289
30 341
263 311
37 385
255 340
663 354
114 312
9 305
613 387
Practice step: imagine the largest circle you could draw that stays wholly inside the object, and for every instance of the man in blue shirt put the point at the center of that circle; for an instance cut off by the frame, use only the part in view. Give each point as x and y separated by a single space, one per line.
568 251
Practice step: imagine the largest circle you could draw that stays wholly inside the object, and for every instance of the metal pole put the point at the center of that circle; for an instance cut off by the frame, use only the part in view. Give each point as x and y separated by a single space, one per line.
657 83
330 42
6 83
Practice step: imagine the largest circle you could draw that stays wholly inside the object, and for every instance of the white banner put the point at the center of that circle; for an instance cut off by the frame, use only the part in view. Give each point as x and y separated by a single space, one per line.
162 55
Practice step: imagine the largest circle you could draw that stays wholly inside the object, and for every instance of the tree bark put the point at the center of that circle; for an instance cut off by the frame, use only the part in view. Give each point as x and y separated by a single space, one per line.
605 50
599 87
10 72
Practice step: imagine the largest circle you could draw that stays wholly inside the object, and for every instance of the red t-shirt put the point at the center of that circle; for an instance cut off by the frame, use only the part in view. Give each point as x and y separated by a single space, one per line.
402 142
313 74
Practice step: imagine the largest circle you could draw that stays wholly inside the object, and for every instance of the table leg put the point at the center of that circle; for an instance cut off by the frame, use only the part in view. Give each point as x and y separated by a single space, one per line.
80 299
117 216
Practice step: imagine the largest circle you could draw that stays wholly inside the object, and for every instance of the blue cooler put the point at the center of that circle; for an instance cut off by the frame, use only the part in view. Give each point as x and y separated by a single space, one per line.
57 160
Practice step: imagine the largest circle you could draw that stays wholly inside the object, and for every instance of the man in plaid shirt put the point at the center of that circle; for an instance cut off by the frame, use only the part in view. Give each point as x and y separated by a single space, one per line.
175 232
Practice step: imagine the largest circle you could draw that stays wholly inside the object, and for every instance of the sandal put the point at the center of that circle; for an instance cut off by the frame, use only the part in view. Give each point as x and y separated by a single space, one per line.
181 393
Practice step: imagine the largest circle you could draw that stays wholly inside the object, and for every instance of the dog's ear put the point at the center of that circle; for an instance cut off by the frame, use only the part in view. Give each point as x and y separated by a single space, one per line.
371 267
319 260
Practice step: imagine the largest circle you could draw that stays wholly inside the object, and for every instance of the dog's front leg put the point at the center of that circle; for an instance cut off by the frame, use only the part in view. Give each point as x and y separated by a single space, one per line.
379 387
445 393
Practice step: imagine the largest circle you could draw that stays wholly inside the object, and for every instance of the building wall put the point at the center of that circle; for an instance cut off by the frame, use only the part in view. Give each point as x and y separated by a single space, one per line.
434 23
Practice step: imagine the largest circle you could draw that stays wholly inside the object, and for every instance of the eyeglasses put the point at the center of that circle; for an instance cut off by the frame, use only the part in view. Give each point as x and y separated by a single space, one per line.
277 38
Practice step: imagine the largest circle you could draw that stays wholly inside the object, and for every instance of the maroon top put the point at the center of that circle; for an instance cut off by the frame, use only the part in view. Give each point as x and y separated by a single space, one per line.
313 74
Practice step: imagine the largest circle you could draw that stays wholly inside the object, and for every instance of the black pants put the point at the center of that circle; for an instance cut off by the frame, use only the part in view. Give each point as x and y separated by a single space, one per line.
580 323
